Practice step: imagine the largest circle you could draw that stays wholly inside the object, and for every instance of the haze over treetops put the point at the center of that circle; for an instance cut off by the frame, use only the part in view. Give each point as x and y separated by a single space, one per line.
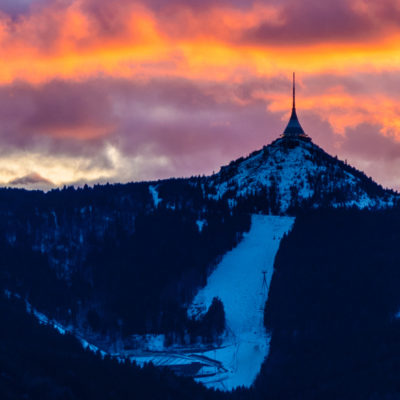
98 90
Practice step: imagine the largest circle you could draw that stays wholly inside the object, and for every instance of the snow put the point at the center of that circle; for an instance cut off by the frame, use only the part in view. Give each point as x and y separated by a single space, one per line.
200 224
156 342
44 320
273 164
154 193
165 359
60 328
299 167
238 282
149 342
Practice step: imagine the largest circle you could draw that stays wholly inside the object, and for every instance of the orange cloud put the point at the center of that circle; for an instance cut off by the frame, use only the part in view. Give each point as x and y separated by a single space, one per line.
66 41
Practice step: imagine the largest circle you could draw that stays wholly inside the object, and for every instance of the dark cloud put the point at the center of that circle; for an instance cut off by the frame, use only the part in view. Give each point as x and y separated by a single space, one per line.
195 126
366 142
15 7
55 118
377 155
31 179
64 109
314 21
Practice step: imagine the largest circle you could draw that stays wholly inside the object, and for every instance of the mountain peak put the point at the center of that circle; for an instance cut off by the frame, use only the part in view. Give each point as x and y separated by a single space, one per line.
293 172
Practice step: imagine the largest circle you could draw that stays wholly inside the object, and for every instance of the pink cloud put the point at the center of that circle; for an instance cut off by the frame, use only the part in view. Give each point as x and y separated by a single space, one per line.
195 126
313 21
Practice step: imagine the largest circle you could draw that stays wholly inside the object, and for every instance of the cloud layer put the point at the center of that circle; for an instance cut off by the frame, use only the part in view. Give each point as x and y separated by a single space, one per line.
98 91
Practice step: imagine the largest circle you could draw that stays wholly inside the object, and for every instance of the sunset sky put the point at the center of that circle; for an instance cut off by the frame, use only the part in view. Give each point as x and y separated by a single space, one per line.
99 90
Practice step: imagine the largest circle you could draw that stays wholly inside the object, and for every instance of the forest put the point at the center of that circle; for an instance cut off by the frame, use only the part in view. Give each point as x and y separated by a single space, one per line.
333 309
333 306
37 363
102 271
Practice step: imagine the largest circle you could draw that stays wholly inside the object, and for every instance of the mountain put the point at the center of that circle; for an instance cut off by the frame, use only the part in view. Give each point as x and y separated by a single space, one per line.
96 251
118 266
292 173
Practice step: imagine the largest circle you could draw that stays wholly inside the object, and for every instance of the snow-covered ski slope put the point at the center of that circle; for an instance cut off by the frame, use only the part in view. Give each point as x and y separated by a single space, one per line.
239 282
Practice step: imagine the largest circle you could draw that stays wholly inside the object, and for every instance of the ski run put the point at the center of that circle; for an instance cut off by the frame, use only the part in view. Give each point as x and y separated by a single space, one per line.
239 282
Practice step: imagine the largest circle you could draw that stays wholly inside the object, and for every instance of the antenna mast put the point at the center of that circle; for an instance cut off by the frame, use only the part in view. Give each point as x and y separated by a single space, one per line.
294 91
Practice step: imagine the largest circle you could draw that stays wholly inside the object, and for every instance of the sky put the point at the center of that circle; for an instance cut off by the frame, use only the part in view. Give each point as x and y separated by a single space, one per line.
95 91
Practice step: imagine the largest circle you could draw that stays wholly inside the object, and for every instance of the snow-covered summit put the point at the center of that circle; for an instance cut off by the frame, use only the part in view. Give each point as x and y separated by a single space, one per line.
293 172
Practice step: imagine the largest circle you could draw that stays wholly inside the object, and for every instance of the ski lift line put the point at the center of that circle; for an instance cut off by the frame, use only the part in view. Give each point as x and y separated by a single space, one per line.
265 282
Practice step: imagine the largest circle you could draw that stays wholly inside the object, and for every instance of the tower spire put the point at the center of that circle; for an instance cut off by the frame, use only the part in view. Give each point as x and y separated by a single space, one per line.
293 128
294 90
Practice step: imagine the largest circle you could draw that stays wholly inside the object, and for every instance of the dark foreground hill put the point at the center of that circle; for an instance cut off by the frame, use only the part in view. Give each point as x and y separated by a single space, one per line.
333 312
37 363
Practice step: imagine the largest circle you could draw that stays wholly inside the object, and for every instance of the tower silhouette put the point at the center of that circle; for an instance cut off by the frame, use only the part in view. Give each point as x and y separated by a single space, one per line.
293 128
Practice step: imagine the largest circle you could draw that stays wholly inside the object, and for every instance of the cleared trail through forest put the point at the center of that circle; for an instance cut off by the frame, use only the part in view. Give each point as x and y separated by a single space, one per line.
241 281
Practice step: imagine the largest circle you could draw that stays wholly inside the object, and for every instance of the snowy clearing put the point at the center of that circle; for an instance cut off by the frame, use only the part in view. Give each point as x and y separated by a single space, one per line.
239 282
200 224
154 193
44 320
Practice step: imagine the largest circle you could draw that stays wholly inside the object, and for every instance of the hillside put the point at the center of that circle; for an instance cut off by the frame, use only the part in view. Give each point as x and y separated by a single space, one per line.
293 173
36 362
333 309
